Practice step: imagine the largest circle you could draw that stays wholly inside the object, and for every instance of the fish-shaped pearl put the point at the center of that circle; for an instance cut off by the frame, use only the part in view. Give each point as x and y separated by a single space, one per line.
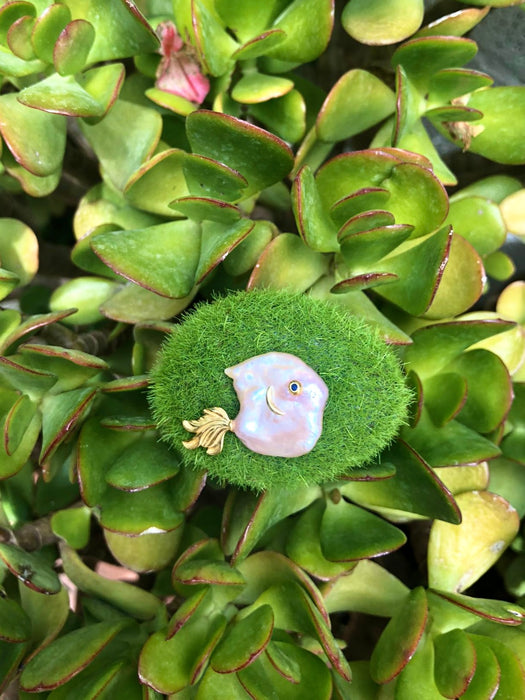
282 402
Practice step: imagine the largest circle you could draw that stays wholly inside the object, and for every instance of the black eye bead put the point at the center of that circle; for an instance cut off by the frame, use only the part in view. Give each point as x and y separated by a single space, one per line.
295 387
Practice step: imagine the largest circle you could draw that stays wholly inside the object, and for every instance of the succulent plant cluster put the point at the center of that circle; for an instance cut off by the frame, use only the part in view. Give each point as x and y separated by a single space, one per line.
193 150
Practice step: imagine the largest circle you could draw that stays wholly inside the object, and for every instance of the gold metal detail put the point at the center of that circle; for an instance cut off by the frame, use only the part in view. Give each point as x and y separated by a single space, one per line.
270 402
209 430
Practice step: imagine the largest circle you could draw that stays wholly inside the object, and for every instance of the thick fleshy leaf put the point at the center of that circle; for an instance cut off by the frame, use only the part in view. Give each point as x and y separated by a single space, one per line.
308 26
12 462
214 44
90 94
422 58
444 395
17 423
84 293
417 676
262 680
36 139
253 88
16 67
314 224
72 367
131 599
512 212
30 568
503 109
284 116
478 413
134 304
455 662
201 208
363 248
135 255
369 589
267 569
349 532
72 525
466 478
479 221
157 182
260 157
33 185
169 665
425 208
61 413
369 198
365 221
67 656
414 294
72 47
120 31
494 187
425 496
11 656
15 625
121 151
400 637
450 83
47 613
244 641
11 12
452 444
455 24
465 264
303 545
504 613
380 23
506 480
48 27
144 463
259 45
148 552
437 345
206 177
18 249
486 679
247 517
287 262
458 555
31 325
32 382
218 240
512 679
294 610
356 102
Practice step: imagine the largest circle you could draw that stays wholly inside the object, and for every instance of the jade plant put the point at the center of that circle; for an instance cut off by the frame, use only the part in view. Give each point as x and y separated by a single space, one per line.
184 185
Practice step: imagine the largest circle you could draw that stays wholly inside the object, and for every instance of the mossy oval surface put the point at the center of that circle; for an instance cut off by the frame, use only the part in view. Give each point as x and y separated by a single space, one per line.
367 399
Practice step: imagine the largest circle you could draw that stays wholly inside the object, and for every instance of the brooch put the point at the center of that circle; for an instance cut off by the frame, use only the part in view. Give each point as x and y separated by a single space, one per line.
281 401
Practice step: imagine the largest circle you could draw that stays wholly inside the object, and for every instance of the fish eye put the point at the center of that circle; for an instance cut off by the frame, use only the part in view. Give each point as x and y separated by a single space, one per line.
295 387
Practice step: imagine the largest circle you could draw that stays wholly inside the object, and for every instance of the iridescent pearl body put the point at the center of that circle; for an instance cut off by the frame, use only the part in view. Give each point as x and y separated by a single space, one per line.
282 401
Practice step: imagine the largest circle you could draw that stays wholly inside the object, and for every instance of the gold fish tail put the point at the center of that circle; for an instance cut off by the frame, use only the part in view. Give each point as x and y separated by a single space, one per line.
209 430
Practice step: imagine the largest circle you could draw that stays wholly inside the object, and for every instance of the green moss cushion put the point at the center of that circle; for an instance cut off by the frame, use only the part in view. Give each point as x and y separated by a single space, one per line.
367 394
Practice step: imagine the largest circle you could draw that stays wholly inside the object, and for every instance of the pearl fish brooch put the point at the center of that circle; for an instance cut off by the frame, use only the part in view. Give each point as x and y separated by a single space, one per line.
282 401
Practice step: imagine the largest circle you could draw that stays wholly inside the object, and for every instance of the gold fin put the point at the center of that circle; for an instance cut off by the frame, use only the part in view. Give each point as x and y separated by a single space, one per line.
209 430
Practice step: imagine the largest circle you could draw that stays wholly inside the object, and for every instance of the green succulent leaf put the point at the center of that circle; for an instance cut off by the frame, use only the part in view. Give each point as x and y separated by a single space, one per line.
369 589
308 26
61 413
36 139
90 94
355 103
134 255
48 27
31 569
47 613
260 157
455 24
73 46
348 532
169 665
426 495
133 600
380 23
67 656
400 638
72 525
244 641
15 625
459 555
